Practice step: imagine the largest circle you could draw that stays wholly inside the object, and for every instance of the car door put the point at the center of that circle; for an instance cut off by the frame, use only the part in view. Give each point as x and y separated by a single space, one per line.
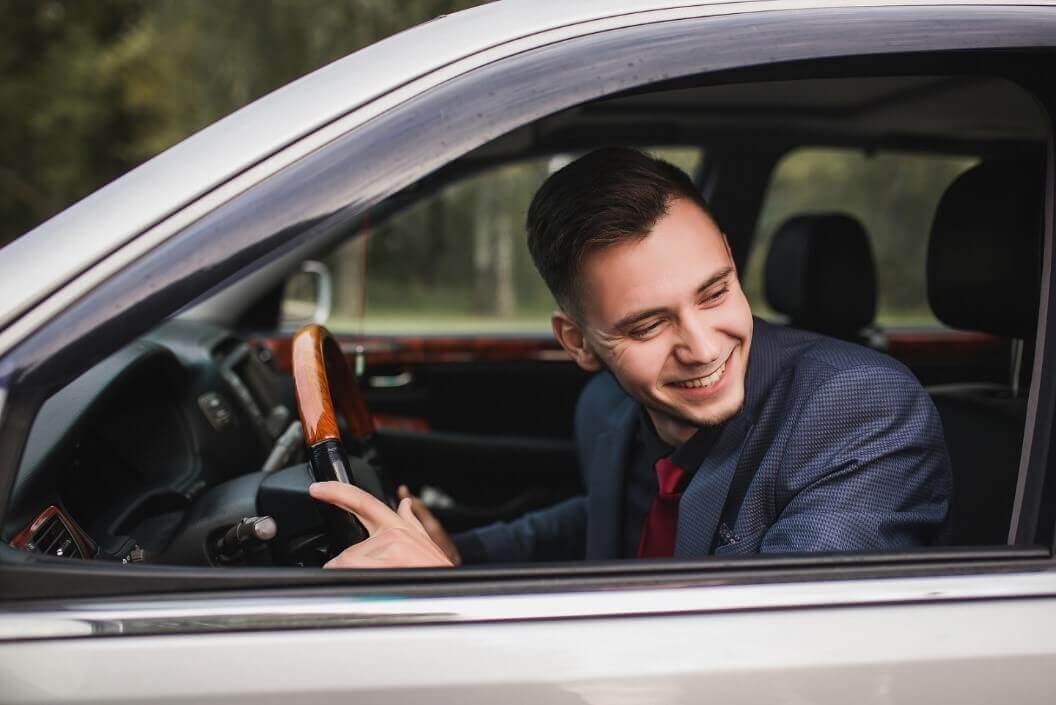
969 625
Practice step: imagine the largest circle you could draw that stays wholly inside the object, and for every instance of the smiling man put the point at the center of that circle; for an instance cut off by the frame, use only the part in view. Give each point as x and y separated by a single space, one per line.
705 431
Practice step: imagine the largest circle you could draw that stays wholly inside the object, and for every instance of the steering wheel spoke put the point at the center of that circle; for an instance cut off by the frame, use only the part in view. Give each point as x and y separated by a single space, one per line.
321 373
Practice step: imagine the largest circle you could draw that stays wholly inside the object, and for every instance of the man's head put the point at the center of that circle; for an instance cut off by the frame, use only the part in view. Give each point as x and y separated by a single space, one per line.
646 285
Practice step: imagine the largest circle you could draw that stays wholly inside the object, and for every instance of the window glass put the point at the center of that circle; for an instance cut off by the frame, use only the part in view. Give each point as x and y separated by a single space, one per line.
454 262
894 196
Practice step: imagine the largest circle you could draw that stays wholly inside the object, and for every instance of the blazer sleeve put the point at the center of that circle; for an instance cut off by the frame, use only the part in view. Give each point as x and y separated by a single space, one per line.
556 533
865 468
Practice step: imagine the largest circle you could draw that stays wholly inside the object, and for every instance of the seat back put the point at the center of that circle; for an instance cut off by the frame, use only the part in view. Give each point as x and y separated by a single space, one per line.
821 275
983 275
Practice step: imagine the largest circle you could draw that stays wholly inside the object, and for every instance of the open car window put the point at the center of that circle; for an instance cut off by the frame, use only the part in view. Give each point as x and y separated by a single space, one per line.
482 426
454 262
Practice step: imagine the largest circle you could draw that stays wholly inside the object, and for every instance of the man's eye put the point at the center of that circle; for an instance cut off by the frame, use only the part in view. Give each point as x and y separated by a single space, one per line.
715 295
646 330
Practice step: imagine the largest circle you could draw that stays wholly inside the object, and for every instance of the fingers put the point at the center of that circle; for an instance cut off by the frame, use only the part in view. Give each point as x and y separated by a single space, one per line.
433 528
374 513
392 548
409 537
397 539
427 518
406 511
421 511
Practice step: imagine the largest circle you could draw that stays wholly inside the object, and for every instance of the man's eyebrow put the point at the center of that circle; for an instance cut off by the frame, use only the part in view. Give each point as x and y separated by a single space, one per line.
638 316
628 321
714 279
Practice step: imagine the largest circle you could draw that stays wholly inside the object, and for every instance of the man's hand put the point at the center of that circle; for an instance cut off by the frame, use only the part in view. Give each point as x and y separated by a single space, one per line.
397 539
432 525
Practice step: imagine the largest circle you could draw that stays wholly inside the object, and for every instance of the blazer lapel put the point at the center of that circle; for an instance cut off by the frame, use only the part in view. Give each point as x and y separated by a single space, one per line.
608 467
700 509
701 505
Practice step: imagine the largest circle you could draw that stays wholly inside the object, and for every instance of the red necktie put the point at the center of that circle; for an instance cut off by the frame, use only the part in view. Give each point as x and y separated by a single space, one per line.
658 531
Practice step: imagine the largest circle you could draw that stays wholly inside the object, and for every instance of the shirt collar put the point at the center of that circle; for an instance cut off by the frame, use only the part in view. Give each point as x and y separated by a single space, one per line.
689 456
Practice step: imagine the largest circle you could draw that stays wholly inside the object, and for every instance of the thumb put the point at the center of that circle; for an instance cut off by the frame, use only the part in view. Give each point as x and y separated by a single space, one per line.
406 512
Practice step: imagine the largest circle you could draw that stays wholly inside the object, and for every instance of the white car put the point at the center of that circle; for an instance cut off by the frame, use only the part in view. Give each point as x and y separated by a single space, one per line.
146 404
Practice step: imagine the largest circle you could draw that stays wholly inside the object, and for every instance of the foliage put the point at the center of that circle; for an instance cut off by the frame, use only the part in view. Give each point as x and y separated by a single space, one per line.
93 88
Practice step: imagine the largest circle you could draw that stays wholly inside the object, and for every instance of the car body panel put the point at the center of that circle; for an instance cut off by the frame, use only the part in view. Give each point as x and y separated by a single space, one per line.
911 641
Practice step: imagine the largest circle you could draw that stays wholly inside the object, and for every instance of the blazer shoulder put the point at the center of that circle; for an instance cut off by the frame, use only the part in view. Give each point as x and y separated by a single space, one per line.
826 357
603 407
787 361
600 398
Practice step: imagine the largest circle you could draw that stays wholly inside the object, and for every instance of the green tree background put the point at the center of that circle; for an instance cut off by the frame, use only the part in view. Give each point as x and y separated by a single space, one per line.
92 88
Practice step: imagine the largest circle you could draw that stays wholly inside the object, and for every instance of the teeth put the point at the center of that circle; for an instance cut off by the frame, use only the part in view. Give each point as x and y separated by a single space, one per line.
701 382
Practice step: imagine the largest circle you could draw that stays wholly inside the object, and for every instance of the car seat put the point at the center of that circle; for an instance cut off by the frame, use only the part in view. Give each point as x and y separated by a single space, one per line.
821 275
983 274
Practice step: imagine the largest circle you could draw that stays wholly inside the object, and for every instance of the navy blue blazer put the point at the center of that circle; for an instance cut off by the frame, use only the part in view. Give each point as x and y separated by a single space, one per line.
837 448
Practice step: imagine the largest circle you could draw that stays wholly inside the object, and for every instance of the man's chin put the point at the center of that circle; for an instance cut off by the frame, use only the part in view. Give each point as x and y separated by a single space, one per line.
709 417
717 419
690 420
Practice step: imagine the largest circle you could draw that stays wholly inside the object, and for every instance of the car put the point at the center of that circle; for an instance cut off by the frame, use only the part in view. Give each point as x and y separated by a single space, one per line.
158 541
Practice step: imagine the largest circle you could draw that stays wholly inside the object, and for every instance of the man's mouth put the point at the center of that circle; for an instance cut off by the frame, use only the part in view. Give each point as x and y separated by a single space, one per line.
702 382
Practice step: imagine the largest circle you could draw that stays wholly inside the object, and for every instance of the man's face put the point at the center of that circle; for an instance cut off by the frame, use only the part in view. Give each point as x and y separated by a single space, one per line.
667 316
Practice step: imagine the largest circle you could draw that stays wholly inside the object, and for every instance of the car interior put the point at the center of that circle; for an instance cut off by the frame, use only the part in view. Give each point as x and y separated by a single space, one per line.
899 211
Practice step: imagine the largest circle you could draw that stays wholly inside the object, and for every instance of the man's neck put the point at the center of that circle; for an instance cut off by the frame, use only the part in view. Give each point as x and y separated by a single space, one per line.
673 432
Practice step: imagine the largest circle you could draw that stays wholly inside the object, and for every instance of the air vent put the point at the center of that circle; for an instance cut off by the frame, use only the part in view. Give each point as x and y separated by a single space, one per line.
54 539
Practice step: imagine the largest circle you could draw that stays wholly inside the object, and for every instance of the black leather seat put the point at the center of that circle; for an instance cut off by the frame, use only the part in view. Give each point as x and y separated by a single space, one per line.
821 275
983 275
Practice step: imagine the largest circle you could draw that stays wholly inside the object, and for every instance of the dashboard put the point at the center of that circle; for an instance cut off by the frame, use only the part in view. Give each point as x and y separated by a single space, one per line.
116 460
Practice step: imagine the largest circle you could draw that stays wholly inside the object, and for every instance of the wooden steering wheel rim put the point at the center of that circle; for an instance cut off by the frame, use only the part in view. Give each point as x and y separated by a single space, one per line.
319 366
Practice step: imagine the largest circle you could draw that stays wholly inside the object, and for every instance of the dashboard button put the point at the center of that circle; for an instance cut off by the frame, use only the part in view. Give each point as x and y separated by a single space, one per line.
217 410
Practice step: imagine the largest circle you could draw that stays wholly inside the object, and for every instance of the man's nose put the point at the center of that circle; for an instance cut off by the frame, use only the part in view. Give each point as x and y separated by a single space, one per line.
698 343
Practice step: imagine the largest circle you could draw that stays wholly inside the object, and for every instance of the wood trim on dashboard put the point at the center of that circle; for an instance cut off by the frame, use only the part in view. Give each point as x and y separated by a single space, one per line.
26 535
908 343
417 350
393 422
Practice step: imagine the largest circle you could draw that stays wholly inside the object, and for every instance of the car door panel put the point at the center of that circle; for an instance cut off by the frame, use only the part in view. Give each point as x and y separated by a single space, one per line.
484 424
992 639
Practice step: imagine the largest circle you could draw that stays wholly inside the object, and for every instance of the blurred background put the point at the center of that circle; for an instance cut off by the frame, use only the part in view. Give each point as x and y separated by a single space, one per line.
92 88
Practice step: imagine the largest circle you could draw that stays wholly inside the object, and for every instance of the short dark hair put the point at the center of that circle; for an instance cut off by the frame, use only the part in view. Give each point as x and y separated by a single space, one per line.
607 196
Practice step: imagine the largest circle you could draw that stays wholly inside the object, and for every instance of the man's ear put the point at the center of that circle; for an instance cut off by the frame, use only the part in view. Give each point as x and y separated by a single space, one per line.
571 337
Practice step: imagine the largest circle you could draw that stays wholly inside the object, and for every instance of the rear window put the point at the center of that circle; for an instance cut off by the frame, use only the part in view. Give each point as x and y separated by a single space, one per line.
893 194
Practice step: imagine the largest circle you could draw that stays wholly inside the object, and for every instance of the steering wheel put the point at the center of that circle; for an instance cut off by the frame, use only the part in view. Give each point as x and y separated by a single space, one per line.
321 374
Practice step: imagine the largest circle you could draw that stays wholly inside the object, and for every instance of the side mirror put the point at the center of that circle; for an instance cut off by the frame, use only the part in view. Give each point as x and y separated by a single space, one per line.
309 296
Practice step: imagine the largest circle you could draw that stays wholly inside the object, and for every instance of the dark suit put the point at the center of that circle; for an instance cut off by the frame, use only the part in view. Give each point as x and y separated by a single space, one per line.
837 448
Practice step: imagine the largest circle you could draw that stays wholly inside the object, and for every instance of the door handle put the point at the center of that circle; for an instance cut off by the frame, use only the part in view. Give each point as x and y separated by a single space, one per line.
402 379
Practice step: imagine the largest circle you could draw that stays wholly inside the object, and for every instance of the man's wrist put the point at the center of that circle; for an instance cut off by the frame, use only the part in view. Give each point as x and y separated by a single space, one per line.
470 548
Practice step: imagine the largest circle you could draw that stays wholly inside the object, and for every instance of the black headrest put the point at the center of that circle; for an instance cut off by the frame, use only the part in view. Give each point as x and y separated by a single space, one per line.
984 258
820 273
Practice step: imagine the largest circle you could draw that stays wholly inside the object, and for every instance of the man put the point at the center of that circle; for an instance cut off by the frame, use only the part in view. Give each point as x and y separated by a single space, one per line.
707 431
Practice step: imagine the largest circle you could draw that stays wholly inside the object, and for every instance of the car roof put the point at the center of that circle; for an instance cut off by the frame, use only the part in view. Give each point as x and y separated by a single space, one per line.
87 232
